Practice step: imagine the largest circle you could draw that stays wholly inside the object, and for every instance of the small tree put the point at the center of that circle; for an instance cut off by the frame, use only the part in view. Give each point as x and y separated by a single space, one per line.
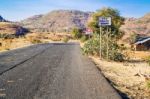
111 50
76 33
117 21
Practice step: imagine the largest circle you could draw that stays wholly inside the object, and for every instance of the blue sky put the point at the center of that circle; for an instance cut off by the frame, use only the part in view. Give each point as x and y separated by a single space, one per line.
16 10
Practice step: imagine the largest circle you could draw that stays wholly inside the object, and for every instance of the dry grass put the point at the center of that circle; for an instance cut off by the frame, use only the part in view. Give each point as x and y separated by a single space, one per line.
46 36
130 79
138 54
31 38
9 44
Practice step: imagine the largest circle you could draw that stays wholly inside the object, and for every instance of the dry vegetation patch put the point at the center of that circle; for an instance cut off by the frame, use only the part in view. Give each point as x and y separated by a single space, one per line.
32 38
7 44
130 78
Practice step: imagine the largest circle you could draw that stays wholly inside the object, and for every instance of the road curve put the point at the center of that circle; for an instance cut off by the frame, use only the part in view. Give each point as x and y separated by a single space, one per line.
51 71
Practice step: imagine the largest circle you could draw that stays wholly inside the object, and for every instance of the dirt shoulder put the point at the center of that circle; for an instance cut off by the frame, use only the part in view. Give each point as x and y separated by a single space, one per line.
129 78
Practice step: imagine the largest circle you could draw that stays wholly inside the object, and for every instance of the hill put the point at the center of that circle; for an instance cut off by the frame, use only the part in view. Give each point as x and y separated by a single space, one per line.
57 21
2 19
11 28
139 26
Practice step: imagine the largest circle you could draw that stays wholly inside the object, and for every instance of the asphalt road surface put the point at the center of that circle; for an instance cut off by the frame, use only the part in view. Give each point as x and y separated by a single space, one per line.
51 71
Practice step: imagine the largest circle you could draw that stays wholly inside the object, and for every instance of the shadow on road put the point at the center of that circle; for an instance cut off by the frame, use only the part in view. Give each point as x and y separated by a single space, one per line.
72 43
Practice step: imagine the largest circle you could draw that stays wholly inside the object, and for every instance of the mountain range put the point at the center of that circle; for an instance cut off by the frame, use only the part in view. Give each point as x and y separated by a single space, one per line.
64 20
140 26
57 21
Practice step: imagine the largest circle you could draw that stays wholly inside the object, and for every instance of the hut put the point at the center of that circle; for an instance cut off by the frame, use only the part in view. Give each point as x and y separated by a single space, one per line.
142 44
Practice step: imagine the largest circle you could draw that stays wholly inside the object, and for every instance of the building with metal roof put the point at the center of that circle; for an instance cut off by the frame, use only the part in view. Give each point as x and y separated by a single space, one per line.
142 44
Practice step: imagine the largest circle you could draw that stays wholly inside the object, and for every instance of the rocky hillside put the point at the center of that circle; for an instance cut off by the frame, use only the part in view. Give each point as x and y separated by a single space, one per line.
139 26
57 21
11 28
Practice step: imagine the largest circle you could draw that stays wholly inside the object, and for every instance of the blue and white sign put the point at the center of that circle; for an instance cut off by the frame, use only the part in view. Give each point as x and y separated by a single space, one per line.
104 21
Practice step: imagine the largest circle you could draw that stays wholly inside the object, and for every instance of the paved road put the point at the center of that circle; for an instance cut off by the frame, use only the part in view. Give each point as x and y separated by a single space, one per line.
51 71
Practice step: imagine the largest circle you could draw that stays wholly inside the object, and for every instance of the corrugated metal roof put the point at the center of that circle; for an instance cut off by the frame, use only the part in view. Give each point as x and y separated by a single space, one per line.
143 40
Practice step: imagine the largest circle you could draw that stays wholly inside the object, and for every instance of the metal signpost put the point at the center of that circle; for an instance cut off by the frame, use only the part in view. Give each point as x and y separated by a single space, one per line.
104 22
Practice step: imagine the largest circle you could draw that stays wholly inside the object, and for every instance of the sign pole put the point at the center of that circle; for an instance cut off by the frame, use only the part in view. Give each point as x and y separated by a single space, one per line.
104 21
100 42
107 43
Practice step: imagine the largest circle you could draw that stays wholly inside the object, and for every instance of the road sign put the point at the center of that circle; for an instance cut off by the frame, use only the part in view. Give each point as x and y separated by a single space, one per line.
104 21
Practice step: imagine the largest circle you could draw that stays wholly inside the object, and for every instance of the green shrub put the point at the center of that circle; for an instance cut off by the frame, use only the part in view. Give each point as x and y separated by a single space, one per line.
148 84
92 47
65 39
118 57
84 38
147 59
76 33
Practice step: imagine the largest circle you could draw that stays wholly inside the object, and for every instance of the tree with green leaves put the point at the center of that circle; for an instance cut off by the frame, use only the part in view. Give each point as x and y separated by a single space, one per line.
117 21
110 49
